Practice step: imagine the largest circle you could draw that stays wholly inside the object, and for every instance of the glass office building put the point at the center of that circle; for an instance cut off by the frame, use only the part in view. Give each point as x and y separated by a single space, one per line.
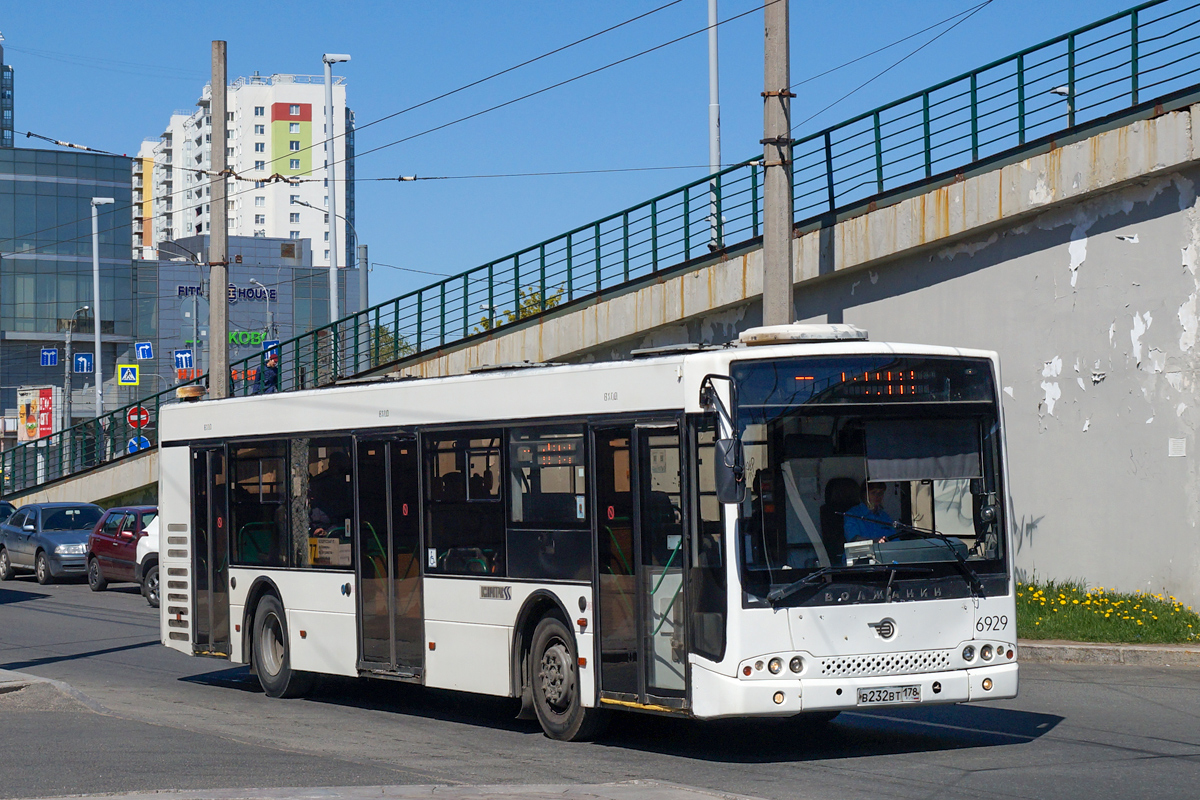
46 268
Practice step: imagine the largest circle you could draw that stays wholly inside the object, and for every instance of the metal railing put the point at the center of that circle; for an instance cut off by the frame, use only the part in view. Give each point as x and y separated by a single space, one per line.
125 431
1076 79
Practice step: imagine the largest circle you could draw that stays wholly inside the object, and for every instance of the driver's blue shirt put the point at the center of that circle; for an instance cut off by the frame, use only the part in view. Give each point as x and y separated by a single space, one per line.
867 527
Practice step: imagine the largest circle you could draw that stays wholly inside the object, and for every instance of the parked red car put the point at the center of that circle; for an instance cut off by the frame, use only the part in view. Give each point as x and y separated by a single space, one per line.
116 550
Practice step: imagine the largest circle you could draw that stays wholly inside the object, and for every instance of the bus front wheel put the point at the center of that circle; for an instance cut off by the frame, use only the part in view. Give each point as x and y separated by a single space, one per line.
272 654
554 671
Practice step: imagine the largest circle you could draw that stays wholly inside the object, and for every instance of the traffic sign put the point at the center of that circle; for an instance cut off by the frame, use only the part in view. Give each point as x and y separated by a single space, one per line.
145 350
49 356
128 375
83 363
138 443
271 344
138 416
183 359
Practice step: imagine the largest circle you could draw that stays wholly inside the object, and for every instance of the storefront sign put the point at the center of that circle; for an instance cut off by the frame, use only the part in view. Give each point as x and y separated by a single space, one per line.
254 293
247 337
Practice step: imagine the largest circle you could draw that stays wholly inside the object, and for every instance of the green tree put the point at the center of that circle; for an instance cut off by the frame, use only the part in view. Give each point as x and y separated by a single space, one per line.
530 304
386 347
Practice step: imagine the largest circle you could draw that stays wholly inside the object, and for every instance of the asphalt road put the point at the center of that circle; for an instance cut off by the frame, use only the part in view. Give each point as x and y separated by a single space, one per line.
148 718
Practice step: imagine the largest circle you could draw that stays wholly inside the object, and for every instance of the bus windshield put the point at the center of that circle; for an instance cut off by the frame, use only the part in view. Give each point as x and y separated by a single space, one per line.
860 465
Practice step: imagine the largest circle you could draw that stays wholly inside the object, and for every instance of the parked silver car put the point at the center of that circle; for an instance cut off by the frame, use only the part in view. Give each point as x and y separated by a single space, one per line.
48 538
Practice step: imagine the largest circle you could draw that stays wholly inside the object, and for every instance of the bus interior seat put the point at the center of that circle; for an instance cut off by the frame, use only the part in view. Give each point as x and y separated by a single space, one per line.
454 487
841 495
256 542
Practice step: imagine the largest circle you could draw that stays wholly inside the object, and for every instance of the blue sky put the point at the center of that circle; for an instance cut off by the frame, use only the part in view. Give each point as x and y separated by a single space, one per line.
109 74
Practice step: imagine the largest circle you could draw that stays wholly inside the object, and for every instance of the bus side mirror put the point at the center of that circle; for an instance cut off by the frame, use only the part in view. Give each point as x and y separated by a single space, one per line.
730 472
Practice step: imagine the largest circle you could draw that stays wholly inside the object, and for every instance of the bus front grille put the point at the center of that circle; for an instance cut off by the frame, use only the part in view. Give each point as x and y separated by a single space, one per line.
885 664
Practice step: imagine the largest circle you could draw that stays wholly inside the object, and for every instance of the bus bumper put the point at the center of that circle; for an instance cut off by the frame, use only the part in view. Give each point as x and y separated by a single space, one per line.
715 696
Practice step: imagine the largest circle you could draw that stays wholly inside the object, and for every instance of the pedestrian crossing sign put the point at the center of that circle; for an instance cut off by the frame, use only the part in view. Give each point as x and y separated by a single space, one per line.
127 375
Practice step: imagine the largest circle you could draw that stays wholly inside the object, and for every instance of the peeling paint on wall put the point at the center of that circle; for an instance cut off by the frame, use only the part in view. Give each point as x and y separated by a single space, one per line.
1188 321
967 248
1141 324
1078 248
1053 393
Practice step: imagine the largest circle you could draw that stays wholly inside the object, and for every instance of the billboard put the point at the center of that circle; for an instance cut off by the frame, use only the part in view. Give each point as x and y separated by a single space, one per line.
38 412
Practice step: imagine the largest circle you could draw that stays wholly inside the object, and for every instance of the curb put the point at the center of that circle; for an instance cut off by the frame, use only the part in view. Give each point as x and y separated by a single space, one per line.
11 681
1051 651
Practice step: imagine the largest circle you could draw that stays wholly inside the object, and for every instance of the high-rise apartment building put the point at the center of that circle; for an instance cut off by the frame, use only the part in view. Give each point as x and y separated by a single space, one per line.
6 100
143 201
275 148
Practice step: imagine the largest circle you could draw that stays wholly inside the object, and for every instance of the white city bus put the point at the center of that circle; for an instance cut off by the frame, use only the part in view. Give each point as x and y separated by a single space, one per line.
666 534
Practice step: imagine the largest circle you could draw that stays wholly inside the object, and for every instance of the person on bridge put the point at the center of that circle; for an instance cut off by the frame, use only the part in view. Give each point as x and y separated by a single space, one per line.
267 380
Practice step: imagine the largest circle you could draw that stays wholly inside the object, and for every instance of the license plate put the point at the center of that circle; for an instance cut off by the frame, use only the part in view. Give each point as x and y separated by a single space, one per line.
889 695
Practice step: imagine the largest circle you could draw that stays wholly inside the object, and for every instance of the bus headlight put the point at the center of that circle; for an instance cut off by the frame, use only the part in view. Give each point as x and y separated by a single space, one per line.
985 652
969 653
796 664
775 665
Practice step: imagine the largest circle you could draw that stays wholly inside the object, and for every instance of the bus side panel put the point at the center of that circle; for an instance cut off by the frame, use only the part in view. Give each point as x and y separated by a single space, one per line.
471 658
175 523
470 625
322 631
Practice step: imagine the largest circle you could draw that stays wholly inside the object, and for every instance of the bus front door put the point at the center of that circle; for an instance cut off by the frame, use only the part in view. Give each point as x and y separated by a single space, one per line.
210 552
640 562
389 572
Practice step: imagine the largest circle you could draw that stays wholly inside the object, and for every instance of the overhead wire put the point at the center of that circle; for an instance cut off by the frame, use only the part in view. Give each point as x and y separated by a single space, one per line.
968 14
358 128
453 122
878 50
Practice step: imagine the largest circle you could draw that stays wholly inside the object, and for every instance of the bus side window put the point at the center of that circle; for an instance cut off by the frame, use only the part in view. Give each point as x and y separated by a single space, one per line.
257 505
549 535
464 506
323 502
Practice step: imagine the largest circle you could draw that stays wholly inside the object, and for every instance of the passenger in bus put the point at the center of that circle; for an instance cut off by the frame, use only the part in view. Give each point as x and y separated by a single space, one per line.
868 520
331 500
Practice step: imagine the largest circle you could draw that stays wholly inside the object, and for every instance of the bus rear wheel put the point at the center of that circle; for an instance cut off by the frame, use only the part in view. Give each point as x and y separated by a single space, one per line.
272 655
554 671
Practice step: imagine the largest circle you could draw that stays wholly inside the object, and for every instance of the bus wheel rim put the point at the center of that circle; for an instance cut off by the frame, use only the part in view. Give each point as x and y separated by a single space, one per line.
272 646
554 675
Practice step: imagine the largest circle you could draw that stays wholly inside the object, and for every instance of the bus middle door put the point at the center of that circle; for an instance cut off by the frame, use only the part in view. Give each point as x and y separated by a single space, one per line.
389 578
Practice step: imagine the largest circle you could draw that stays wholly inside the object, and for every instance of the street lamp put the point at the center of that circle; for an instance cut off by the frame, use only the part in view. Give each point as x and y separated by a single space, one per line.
329 59
96 203
270 319
69 367
362 277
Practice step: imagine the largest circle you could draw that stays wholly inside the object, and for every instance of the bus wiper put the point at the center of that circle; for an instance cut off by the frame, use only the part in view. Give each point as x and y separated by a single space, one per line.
776 595
969 575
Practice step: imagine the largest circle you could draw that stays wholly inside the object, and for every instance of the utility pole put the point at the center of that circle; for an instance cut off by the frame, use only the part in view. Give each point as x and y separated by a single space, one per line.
714 126
778 210
218 239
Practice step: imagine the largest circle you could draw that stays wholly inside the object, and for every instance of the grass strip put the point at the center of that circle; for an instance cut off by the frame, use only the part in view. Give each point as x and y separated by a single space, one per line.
1069 610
